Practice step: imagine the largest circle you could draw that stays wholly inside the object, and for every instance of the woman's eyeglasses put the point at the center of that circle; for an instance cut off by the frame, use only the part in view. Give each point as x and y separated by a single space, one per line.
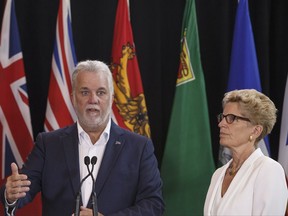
230 118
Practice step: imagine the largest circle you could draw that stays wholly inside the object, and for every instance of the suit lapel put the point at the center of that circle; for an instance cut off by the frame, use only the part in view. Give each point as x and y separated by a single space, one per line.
115 144
112 152
70 144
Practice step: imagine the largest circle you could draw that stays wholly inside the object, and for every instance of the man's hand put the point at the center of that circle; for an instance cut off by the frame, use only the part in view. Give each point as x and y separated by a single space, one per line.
16 185
87 212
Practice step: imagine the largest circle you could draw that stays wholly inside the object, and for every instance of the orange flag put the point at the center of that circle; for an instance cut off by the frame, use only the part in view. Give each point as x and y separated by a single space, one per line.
129 107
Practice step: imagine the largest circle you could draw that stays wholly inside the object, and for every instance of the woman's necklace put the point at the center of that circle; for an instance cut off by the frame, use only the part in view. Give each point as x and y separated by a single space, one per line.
232 170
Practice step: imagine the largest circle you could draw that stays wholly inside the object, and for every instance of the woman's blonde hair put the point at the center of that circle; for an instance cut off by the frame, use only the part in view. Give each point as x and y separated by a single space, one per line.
256 106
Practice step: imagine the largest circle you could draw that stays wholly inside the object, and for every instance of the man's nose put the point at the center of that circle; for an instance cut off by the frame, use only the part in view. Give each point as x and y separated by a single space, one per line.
94 98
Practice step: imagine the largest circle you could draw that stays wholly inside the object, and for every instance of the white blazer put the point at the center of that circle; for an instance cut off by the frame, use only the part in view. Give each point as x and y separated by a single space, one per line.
259 188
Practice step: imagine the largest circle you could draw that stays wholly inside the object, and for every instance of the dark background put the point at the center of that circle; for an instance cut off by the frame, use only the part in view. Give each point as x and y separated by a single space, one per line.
156 27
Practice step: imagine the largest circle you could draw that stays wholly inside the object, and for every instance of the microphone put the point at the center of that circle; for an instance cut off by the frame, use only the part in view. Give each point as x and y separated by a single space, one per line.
93 193
94 196
78 198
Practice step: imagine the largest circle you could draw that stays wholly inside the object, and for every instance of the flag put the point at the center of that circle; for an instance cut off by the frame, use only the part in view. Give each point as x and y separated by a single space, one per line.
129 106
283 145
244 71
15 122
187 164
59 110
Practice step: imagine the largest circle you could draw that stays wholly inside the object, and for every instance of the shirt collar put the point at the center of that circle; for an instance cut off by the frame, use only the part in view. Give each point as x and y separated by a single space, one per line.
105 134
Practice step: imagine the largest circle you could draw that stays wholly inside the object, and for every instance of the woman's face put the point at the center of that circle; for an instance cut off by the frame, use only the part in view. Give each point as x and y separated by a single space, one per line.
236 133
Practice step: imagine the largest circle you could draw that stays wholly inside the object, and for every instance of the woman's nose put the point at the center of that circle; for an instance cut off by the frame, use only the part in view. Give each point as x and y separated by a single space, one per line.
221 123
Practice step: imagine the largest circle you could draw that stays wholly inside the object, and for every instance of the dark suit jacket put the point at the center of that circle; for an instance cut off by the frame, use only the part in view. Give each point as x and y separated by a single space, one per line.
128 181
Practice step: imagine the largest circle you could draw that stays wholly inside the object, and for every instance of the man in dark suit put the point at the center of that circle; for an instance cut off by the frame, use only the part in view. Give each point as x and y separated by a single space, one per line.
127 177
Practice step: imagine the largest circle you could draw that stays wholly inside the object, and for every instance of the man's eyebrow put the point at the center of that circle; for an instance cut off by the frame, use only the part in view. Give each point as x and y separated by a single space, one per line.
84 88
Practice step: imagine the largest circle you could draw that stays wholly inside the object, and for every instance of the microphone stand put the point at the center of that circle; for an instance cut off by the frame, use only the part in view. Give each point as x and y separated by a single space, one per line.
94 196
79 197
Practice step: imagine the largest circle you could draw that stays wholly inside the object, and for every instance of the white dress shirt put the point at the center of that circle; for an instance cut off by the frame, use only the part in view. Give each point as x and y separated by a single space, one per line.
87 148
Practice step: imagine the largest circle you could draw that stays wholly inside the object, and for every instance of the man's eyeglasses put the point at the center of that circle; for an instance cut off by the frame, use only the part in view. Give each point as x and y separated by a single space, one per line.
230 118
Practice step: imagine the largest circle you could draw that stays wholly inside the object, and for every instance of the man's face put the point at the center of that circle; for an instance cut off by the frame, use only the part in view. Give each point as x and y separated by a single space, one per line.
92 100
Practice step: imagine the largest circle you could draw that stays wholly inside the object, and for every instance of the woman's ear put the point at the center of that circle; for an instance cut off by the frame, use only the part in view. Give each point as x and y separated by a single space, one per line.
257 130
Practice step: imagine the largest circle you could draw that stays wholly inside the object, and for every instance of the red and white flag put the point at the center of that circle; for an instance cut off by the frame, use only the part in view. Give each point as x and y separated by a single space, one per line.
59 111
129 107
15 121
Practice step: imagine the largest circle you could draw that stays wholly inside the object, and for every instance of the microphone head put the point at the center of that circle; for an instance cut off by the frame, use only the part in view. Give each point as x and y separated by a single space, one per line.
93 160
86 160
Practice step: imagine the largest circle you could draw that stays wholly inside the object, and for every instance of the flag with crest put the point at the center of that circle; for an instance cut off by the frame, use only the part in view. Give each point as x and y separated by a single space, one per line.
15 122
129 107
187 164
60 111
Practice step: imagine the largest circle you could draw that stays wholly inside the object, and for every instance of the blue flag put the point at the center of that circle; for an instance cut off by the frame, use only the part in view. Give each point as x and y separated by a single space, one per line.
244 71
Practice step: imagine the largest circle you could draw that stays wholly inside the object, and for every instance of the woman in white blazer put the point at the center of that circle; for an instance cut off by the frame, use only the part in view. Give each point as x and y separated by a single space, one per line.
250 183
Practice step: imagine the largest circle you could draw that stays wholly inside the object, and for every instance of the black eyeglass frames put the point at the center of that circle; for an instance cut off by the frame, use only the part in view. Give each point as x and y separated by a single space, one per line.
230 118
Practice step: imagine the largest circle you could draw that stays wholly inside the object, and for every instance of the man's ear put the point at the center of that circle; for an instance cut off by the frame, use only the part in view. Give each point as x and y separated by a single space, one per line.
72 98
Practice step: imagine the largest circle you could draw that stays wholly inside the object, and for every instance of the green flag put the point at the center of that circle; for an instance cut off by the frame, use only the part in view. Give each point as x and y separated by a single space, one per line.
187 164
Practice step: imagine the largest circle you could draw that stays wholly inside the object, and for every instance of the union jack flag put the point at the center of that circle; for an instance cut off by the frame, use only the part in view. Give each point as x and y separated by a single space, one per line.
59 111
15 122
